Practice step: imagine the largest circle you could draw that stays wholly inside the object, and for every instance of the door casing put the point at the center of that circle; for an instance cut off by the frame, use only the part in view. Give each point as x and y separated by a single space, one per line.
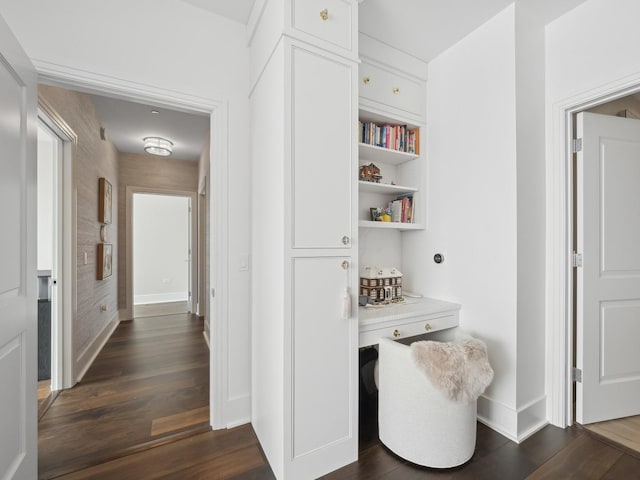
560 331
217 109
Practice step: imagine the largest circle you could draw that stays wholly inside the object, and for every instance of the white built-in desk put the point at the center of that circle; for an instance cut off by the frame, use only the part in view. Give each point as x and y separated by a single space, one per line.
415 316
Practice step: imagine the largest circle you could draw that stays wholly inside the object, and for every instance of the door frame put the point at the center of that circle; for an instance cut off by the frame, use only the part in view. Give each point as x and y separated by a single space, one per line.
218 111
559 286
62 366
131 190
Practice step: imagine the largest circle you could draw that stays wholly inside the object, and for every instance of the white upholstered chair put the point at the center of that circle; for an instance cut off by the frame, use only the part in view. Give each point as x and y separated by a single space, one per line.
416 421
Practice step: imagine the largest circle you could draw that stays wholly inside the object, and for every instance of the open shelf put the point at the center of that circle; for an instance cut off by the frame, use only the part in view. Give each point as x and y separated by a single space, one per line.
371 153
390 225
385 188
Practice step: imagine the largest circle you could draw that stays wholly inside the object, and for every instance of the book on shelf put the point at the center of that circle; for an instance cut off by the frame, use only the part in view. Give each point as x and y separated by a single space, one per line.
392 137
402 209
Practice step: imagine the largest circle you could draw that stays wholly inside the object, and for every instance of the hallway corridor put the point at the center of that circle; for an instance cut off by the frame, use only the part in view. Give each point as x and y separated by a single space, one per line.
148 386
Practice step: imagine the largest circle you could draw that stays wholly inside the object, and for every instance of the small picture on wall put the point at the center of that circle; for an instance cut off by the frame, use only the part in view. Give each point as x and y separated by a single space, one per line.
105 259
104 201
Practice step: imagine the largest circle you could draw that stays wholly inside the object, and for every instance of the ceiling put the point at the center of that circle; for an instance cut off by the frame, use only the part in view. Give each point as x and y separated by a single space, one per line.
425 28
127 123
237 10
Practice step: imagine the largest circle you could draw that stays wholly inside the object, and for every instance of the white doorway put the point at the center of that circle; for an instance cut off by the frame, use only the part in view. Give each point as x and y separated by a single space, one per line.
608 267
50 150
162 249
56 243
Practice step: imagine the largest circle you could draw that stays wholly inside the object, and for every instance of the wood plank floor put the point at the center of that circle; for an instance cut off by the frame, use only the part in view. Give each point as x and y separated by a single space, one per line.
625 431
552 453
149 385
160 309
142 413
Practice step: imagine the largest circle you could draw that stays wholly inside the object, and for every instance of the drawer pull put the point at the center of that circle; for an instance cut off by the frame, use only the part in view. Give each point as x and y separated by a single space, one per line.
396 333
427 327
345 240
366 80
345 264
324 14
396 90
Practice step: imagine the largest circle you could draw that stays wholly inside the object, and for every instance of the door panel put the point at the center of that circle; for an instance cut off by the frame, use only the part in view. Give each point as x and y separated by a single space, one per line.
608 283
322 140
18 280
323 346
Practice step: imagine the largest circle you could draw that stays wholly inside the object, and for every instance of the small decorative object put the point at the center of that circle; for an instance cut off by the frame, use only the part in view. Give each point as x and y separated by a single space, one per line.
104 233
104 201
376 212
370 173
105 256
385 217
381 284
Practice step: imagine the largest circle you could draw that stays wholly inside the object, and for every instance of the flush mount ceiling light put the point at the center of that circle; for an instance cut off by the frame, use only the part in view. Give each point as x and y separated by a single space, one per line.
158 146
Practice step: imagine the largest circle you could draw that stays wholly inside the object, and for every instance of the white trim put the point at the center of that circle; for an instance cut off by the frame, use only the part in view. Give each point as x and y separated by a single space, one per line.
89 354
62 367
559 288
515 424
130 191
151 298
64 76
205 334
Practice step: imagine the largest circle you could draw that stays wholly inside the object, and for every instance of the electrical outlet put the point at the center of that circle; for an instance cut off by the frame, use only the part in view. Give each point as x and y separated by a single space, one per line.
86 258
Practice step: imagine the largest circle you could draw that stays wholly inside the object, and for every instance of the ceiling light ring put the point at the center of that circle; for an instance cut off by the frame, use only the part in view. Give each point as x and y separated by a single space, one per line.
158 146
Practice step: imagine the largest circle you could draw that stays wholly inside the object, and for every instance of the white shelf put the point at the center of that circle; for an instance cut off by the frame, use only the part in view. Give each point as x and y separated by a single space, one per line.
390 225
371 153
385 188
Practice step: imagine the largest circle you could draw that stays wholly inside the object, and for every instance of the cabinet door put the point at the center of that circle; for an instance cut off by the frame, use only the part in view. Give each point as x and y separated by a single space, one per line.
322 140
324 368
328 20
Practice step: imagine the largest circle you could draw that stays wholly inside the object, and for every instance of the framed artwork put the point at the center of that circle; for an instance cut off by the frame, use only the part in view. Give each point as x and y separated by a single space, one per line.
105 260
104 201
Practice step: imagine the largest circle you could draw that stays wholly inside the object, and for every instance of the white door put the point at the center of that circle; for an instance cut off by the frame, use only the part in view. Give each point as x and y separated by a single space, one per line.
608 283
18 281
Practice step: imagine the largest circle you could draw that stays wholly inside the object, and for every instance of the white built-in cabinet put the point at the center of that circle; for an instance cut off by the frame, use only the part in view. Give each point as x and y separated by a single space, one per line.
305 232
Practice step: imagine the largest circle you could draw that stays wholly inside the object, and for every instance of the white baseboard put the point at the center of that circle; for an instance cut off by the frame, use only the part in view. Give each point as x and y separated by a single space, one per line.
205 334
515 424
160 298
89 354
237 411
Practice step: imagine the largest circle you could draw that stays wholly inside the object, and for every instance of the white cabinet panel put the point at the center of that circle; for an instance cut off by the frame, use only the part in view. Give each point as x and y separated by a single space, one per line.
322 139
323 346
391 90
328 20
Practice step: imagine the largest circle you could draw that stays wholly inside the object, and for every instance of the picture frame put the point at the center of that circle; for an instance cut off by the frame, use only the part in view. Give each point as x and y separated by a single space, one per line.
105 260
105 194
375 213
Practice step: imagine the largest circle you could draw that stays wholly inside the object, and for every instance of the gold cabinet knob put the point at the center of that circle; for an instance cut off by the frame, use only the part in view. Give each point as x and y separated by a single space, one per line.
396 333
396 90
345 264
324 14
366 80
427 327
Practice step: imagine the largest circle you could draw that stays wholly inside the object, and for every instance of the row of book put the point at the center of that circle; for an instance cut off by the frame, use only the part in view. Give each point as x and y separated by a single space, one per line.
393 137
402 209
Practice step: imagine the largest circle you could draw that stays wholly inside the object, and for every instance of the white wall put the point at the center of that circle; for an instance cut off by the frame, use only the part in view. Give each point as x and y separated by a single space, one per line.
471 198
207 58
160 248
47 155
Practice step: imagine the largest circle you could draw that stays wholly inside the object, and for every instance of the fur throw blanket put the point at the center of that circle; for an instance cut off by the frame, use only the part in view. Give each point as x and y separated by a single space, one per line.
459 369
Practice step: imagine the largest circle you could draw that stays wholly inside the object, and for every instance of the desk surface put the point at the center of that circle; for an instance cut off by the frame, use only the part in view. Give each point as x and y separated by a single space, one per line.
411 307
400 320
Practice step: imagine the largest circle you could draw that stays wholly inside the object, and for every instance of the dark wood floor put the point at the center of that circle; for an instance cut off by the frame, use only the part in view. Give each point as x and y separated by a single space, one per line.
152 368
552 453
149 385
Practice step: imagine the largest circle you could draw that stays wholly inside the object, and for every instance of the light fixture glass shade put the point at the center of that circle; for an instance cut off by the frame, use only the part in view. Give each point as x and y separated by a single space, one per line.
158 146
